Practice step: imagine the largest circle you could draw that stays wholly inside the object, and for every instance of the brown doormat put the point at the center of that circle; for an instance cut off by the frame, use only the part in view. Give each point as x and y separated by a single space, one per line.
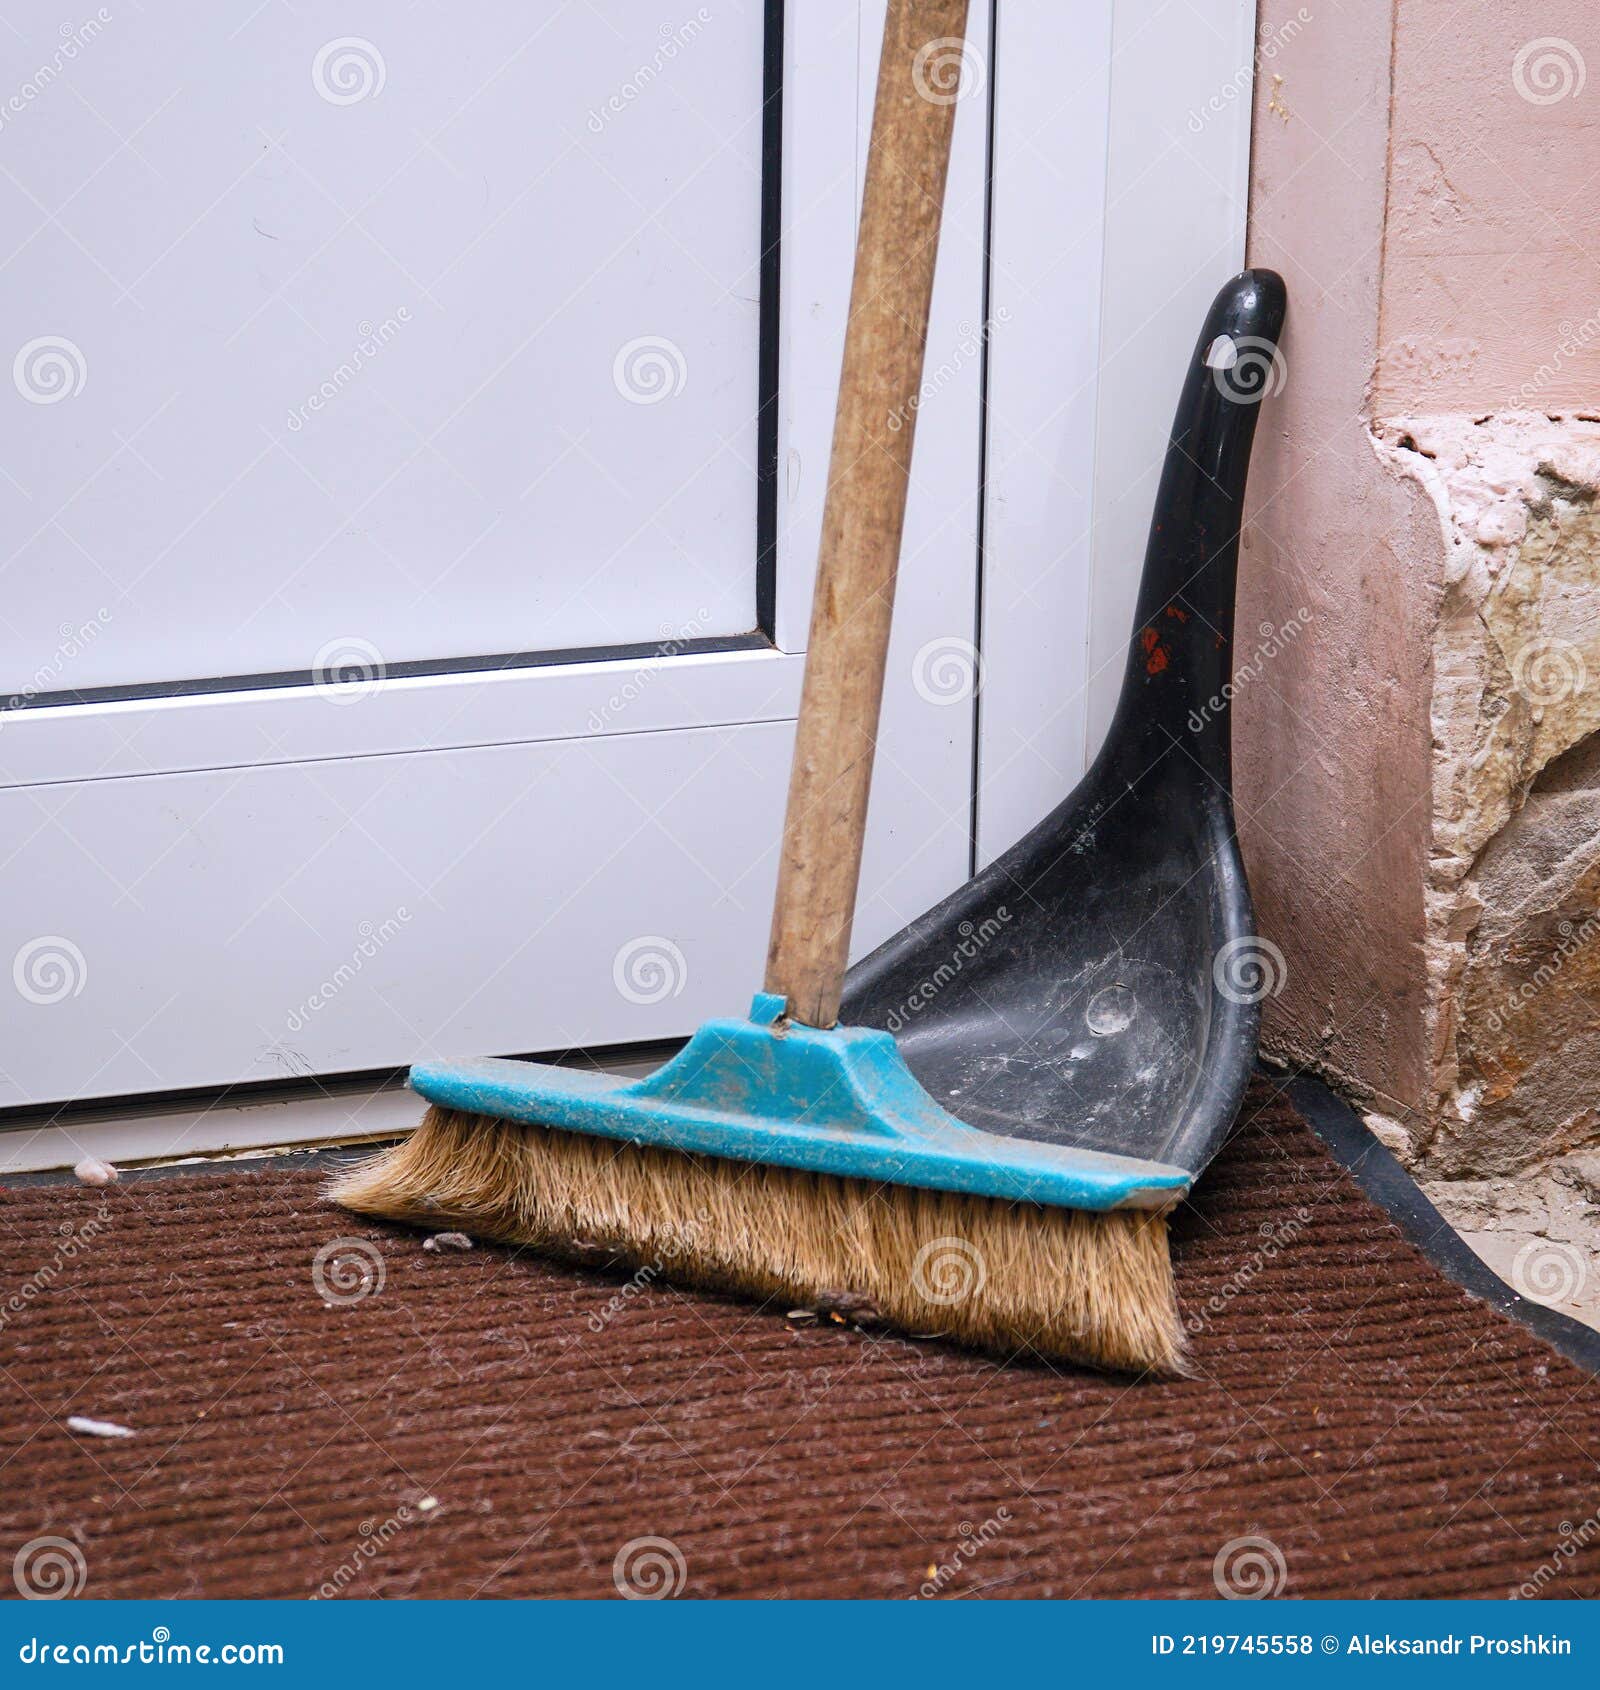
325 1406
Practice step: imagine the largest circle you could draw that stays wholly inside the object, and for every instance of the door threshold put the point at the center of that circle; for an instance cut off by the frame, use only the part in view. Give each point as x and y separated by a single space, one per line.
319 1114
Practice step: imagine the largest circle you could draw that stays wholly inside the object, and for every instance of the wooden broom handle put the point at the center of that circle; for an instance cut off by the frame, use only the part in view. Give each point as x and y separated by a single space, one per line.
842 694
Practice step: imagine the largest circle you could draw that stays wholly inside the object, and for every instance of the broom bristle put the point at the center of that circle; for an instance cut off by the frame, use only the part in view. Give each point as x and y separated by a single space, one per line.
1005 1277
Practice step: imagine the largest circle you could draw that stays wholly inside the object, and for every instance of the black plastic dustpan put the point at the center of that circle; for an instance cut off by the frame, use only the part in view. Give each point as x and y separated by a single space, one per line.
1098 986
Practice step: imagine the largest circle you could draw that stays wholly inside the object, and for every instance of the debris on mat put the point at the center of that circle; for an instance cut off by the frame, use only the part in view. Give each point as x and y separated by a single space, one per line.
447 1241
842 1308
92 1171
97 1428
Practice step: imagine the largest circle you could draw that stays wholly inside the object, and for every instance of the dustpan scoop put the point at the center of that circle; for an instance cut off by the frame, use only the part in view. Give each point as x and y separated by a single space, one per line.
1099 985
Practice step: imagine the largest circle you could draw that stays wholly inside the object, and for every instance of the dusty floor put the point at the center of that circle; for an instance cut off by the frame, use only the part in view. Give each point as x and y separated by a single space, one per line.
323 1407
1540 1232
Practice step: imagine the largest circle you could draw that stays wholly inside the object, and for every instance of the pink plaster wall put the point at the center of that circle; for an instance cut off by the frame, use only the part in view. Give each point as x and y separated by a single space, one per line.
1435 225
1491 271
1332 742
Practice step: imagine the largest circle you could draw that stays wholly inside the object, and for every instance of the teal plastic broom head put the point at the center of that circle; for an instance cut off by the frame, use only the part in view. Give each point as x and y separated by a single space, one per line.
836 1101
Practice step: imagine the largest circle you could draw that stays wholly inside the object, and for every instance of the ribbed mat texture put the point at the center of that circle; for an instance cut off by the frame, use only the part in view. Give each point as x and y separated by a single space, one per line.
324 1407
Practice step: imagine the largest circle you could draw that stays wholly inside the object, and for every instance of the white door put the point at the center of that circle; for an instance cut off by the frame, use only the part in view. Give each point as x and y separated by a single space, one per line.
410 472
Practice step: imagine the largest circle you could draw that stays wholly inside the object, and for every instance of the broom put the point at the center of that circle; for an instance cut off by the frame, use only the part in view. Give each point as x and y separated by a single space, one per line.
785 1156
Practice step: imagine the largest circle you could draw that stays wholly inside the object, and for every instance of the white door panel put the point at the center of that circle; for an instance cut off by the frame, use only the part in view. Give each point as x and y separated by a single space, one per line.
196 930
410 338
109 739
1044 350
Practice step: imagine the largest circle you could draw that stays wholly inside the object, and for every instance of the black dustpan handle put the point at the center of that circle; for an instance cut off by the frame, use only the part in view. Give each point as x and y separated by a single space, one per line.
1181 657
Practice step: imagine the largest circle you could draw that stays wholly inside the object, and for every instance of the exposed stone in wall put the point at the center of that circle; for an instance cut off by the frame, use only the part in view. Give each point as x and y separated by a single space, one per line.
1513 889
